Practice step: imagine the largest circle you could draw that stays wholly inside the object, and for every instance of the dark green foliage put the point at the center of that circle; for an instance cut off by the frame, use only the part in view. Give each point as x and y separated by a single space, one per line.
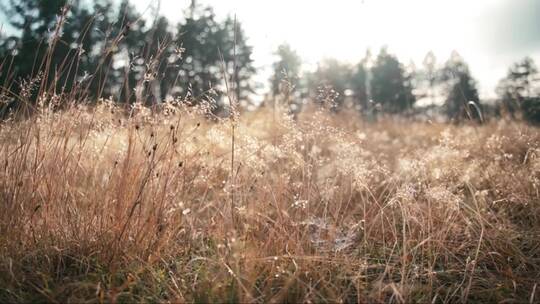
33 20
203 48
286 68
237 55
103 50
460 87
359 85
198 40
531 109
519 90
390 85
330 75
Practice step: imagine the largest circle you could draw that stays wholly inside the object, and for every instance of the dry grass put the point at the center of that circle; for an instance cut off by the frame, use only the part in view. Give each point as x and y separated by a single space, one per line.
99 206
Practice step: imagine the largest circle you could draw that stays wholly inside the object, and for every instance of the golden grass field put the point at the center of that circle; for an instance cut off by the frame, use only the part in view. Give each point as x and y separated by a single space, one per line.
101 206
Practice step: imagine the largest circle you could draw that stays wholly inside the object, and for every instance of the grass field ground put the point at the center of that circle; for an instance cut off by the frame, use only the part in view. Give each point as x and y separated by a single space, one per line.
169 206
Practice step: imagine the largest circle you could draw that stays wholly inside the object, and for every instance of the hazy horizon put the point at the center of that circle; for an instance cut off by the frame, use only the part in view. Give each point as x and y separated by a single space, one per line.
490 35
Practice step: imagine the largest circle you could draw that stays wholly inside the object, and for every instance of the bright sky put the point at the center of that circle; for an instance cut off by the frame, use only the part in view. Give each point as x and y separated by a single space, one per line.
489 34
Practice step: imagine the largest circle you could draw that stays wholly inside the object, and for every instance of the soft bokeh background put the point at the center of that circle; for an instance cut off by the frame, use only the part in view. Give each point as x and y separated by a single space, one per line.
489 34
418 58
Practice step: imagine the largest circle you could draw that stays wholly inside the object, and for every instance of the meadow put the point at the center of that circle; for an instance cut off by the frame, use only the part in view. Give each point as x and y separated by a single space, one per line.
104 204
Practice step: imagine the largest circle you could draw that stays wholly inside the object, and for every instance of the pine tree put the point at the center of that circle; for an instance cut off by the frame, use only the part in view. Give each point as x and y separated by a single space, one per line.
521 82
461 89
359 84
391 86
112 50
330 82
286 68
207 45
33 21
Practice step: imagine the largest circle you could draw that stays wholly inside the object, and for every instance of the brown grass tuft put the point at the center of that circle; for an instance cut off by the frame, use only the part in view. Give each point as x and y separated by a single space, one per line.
102 205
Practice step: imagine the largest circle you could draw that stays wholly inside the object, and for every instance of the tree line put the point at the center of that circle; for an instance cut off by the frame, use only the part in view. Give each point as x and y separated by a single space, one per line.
105 49
384 84
108 49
